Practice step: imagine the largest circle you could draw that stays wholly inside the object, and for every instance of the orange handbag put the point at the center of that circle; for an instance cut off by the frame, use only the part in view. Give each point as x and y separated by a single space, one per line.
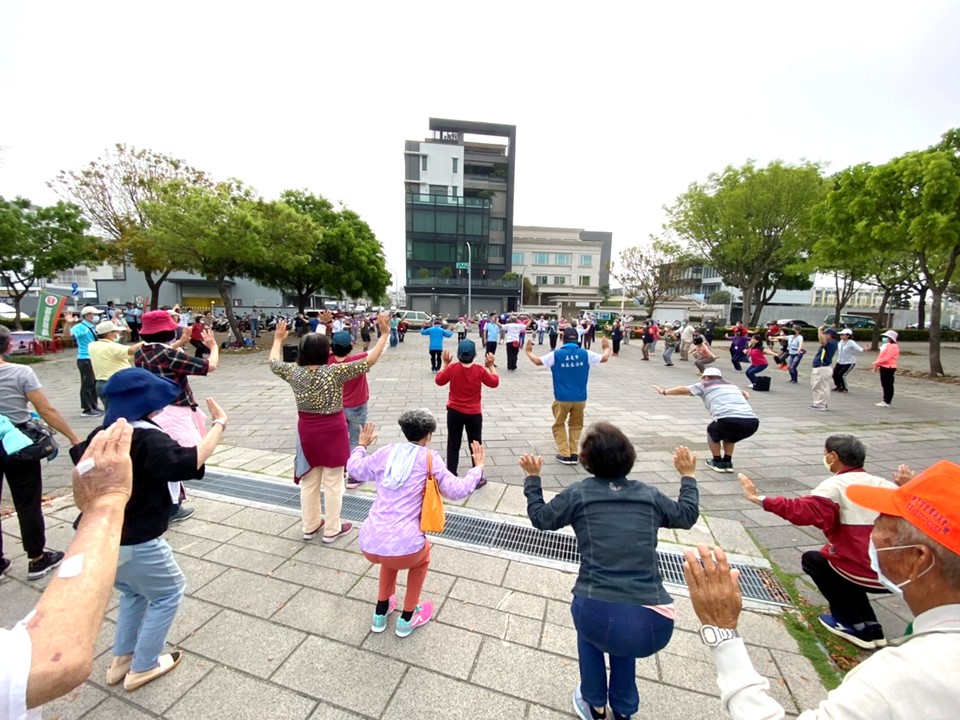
432 518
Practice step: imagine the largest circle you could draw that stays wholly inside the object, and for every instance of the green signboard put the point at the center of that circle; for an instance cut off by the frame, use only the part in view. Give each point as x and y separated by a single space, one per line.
48 315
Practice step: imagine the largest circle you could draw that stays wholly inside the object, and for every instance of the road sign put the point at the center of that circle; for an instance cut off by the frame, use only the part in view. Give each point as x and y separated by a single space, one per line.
75 289
462 266
139 299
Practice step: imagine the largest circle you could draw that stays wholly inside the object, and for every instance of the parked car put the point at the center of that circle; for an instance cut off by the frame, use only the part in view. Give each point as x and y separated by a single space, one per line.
914 326
415 318
792 323
852 321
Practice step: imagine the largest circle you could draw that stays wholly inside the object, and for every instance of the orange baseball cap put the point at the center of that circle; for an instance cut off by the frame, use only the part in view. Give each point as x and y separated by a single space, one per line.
930 502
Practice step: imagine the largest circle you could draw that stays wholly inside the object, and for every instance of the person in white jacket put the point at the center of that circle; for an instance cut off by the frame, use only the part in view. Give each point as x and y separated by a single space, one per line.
847 350
915 551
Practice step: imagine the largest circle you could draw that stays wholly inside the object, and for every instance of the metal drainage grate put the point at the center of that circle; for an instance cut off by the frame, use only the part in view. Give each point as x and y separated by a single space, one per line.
756 583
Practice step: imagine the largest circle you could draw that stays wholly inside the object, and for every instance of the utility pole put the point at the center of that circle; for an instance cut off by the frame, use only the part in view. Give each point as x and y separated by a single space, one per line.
522 271
469 284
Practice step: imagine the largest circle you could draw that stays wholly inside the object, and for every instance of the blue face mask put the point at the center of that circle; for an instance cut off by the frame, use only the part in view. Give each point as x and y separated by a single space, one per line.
884 340
895 588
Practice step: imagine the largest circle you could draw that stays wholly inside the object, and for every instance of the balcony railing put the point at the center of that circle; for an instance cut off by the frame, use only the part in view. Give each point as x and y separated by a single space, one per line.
462 282
448 201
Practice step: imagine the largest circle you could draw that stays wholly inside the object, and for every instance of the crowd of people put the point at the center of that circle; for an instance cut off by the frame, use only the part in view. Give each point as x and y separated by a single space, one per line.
883 536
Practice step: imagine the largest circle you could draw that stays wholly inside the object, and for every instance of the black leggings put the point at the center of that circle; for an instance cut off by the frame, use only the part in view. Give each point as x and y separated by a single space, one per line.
840 372
886 382
848 601
436 359
456 422
26 490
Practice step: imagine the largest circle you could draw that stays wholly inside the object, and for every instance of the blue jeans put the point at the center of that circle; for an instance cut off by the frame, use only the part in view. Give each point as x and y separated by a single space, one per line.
356 417
540 337
792 364
394 338
625 632
151 585
755 370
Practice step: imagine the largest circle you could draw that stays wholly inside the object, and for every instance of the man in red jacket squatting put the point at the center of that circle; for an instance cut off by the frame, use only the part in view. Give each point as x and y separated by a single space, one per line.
841 568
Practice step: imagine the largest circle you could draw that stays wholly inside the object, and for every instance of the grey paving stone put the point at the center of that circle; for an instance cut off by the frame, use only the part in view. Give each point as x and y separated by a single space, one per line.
207 530
320 554
251 560
328 670
331 616
787 536
198 572
214 511
686 673
765 631
75 703
559 640
558 613
499 598
189 544
18 600
315 576
544 679
254 594
255 646
448 699
464 563
262 521
536 580
435 646
538 712
801 678
272 544
115 709
329 712
487 497
667 702
239 697
730 535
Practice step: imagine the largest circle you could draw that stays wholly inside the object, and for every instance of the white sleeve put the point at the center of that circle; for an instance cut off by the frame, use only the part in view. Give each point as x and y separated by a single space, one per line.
15 656
743 691
593 359
548 360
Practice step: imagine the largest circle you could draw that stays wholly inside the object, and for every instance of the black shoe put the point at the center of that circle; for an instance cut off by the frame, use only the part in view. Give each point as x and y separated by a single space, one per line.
4 566
574 459
47 562
727 466
716 465
561 458
182 514
91 413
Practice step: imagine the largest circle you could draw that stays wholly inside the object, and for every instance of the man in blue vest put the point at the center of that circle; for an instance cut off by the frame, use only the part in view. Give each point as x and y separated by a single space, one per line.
570 366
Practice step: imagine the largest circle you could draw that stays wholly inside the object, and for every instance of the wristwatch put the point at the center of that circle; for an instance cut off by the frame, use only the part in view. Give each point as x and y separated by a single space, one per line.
221 423
712 635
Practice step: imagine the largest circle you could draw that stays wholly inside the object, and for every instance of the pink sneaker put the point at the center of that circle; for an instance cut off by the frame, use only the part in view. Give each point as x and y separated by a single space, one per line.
421 616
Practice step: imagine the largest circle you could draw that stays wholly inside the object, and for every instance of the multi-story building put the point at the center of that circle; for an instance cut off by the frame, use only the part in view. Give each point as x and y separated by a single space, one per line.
569 266
459 213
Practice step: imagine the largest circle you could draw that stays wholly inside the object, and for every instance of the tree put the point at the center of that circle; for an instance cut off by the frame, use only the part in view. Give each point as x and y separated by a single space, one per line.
37 242
529 291
112 192
719 297
753 225
648 272
224 232
344 257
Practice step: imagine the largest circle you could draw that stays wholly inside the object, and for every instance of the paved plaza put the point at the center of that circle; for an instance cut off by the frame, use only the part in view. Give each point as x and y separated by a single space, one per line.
276 628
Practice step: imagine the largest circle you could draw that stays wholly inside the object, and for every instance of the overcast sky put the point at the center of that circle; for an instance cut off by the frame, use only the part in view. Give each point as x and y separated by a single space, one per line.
617 110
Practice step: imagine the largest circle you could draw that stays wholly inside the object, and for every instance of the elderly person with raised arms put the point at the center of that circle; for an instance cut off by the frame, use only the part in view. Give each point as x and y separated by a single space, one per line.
915 551
391 536
620 607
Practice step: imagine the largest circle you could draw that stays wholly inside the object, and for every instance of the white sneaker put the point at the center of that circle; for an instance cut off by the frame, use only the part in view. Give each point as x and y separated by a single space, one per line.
881 404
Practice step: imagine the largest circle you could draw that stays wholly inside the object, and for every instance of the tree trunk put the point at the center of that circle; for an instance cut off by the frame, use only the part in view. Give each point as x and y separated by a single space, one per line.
936 297
747 311
878 328
922 309
228 308
17 325
154 286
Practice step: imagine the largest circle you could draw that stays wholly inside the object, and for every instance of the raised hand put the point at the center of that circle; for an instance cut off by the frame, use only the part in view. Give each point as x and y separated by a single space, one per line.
368 434
531 464
479 453
208 339
489 360
216 412
105 472
281 332
685 461
714 587
903 475
749 489
446 357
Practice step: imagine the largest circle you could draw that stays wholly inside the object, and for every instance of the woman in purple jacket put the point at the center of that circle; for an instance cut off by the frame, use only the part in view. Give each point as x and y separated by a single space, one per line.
391 536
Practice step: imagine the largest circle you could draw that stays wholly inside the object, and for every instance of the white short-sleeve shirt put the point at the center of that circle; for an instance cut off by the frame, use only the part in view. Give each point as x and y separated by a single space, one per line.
15 655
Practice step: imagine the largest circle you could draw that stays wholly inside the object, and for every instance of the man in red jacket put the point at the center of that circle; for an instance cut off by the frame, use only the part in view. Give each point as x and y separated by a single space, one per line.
841 568
463 404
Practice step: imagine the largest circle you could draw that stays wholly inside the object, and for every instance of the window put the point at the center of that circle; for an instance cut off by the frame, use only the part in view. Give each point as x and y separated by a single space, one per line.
423 251
473 224
541 280
456 191
423 221
541 258
455 161
423 163
496 252
517 258
438 190
586 261
446 222
498 224
559 280
562 259
584 281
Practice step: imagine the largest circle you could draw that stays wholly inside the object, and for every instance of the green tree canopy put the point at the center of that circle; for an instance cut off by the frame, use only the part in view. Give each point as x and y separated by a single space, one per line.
344 257
113 191
37 242
225 231
753 225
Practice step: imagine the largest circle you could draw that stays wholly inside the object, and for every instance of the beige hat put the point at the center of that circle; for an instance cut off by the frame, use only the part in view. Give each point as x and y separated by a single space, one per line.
106 327
892 334
711 372
90 310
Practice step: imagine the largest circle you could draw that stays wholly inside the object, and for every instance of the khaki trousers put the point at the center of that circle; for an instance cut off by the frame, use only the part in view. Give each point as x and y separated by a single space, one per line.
330 480
568 426
820 380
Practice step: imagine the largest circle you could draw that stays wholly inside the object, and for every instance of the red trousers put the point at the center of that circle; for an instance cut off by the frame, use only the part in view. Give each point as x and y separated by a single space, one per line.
416 566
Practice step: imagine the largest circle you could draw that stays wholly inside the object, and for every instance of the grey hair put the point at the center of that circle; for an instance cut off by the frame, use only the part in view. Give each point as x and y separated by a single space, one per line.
848 448
948 560
417 424
4 339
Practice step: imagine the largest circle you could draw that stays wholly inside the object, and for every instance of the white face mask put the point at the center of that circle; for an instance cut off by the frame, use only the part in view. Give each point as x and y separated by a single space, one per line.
826 463
895 588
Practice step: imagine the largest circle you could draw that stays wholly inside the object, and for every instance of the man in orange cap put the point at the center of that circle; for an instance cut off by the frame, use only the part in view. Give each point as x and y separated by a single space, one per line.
915 551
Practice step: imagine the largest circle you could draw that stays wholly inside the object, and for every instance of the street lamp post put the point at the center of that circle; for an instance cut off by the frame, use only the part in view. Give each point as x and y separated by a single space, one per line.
469 283
522 271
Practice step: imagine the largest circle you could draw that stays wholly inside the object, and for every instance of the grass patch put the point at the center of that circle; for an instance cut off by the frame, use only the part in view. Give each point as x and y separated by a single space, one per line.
24 359
831 656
